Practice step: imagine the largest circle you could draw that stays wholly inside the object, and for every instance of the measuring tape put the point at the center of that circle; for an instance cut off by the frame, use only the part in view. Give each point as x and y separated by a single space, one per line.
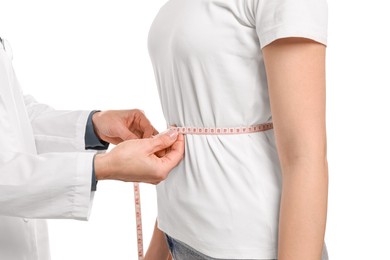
191 131
222 130
138 220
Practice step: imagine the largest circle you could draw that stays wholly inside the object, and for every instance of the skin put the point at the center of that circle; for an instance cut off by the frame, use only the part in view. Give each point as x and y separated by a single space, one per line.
296 80
296 76
158 248
115 126
133 159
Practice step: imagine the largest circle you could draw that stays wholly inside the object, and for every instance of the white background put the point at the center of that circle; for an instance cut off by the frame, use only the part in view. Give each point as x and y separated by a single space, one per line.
92 54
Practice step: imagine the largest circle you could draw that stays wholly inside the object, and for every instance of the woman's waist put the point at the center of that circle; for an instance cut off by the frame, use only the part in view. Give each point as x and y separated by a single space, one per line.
221 128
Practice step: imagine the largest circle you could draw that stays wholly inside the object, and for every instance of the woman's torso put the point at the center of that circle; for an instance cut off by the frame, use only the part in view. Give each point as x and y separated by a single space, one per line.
223 199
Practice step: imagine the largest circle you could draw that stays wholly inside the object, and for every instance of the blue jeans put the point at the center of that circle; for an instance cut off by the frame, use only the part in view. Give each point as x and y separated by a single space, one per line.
181 251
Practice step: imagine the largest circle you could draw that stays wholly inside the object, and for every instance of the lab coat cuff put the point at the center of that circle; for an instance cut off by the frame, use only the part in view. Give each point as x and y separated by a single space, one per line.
80 130
82 194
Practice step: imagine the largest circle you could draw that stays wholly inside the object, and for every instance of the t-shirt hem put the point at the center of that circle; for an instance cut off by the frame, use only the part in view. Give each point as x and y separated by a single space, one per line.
226 253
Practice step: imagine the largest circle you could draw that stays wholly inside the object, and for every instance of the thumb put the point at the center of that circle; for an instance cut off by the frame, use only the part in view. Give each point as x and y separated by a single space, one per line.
163 140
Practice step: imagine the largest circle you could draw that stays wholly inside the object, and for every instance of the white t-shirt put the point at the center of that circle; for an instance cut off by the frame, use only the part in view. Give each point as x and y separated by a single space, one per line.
223 199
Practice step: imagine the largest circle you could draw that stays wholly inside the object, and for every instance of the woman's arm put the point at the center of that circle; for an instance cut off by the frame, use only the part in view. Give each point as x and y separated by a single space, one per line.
158 248
296 76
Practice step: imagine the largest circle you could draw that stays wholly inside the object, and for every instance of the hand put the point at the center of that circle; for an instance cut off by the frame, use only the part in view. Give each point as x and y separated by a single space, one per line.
116 126
135 160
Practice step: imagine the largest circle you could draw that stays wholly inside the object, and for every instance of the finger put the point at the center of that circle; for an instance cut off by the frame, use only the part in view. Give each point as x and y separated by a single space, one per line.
145 126
149 132
131 121
141 132
126 134
175 155
115 140
161 153
163 140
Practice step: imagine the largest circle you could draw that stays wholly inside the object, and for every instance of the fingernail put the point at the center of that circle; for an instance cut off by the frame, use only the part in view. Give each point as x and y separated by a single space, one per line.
172 133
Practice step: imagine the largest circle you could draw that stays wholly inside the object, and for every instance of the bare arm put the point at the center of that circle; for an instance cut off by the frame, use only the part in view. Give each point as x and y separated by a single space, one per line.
158 248
296 76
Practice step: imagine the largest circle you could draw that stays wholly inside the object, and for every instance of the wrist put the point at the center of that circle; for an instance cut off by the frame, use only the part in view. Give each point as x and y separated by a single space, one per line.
102 167
95 119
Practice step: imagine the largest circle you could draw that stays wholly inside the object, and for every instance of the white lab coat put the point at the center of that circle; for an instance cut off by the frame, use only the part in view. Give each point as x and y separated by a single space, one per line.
44 169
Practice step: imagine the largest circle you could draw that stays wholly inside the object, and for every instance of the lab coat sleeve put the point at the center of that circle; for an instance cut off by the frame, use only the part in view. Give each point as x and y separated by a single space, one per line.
51 185
48 185
56 130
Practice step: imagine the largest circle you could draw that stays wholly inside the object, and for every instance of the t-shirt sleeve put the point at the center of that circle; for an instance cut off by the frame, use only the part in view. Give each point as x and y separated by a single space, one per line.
275 19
